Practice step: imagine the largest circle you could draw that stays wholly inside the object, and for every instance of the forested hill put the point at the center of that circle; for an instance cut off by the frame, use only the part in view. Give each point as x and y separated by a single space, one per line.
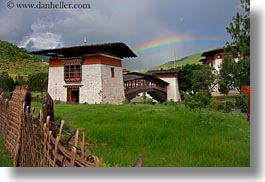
18 62
191 59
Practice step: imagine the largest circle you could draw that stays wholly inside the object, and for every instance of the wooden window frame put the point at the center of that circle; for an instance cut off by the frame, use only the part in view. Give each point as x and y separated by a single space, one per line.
73 73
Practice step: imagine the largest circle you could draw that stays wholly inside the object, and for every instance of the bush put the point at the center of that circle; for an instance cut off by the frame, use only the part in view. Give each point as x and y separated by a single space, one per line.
125 101
229 105
170 103
242 103
6 82
220 107
213 104
199 100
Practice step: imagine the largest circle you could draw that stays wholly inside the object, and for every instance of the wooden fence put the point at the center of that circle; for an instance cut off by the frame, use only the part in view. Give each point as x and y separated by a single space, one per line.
37 141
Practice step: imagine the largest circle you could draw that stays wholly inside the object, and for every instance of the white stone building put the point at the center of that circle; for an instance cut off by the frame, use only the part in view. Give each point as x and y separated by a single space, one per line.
214 58
87 74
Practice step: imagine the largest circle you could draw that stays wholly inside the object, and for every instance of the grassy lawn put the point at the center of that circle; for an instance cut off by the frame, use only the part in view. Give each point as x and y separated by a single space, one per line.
165 135
5 158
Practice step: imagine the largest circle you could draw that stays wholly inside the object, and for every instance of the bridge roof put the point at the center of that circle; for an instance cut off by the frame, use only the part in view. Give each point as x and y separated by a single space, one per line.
135 76
164 72
129 77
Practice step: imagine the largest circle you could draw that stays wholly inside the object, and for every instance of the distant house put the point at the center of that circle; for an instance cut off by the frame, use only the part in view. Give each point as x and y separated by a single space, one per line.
87 74
214 58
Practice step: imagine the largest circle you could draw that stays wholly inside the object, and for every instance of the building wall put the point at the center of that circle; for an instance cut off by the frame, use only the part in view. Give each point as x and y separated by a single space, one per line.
113 89
56 83
172 88
98 85
91 90
217 64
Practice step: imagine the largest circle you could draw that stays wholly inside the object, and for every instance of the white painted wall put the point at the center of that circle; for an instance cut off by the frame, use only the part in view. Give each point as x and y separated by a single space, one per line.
56 87
217 64
172 89
91 91
113 89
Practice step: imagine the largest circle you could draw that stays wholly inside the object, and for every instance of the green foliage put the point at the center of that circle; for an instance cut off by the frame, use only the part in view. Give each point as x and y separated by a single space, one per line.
226 105
229 105
194 77
185 76
5 157
38 82
126 101
239 30
164 135
202 79
18 62
6 82
221 107
199 100
242 103
213 104
235 75
170 103
21 80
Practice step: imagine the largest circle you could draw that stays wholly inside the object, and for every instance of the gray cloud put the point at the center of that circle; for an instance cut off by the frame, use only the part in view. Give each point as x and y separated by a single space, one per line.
132 22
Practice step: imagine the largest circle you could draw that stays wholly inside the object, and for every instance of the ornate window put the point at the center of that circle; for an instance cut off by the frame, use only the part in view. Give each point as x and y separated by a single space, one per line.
72 69
72 72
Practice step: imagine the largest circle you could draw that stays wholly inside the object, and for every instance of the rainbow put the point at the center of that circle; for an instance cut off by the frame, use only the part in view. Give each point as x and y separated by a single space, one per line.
168 42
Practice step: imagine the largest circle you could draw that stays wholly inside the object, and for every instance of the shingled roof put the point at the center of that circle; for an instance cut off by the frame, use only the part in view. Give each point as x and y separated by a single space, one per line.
117 49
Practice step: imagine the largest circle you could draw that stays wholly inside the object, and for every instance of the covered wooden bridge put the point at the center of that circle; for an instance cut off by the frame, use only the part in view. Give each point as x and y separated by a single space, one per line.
135 83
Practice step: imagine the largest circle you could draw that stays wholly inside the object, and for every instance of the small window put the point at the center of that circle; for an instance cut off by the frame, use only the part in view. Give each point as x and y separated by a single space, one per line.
112 73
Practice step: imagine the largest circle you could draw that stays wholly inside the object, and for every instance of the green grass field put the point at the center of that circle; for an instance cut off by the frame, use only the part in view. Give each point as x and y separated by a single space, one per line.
165 135
5 157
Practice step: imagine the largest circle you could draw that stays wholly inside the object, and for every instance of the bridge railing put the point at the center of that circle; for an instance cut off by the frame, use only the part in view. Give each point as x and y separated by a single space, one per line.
134 87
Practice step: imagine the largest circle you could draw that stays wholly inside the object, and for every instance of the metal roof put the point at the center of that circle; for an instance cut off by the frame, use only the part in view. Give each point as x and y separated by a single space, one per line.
117 49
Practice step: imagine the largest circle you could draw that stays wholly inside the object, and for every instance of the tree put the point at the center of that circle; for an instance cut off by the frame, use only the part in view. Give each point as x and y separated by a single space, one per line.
234 75
38 82
203 79
239 30
194 77
6 82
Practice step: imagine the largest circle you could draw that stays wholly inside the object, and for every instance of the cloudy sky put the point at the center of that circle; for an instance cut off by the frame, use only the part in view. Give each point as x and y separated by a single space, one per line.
154 29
